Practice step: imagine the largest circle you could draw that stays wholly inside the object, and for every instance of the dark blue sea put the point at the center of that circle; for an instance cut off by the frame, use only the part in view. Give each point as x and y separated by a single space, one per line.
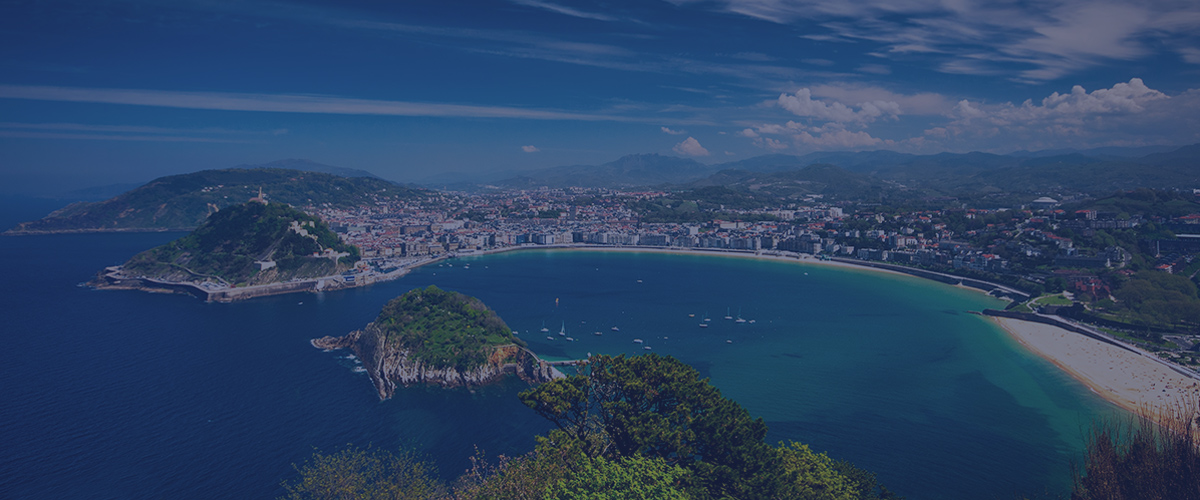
121 394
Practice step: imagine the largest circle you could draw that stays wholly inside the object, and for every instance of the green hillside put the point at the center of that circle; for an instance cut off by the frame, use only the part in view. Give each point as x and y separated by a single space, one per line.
442 328
228 245
182 202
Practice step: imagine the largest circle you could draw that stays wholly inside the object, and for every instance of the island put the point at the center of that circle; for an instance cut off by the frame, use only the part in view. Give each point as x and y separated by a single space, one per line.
248 250
434 336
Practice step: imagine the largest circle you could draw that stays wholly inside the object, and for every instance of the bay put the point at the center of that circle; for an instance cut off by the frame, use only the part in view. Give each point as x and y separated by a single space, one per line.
113 394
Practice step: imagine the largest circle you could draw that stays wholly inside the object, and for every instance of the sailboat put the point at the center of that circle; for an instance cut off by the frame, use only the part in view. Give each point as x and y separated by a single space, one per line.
704 323
563 331
544 329
739 318
727 316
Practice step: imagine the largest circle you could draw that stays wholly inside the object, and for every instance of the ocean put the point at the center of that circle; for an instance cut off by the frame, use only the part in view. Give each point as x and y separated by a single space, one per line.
122 394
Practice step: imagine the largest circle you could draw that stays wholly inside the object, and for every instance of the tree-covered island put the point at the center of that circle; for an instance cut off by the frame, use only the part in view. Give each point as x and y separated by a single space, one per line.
252 244
441 337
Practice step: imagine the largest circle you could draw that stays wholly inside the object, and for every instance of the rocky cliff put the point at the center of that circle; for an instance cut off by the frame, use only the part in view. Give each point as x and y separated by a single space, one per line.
390 365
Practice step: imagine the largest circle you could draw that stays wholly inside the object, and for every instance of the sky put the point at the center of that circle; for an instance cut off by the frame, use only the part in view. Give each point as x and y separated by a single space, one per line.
99 92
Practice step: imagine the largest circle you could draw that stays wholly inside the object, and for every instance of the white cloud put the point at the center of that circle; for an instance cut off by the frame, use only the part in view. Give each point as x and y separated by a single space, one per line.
1190 54
287 103
877 69
530 149
690 147
561 9
771 144
802 104
673 132
838 139
924 103
1128 113
1031 41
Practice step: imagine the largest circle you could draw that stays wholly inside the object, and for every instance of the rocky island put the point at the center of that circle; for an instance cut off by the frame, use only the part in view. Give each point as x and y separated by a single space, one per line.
248 250
433 336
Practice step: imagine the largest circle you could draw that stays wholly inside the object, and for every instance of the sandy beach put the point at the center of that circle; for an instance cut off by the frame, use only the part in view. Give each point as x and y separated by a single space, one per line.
1133 381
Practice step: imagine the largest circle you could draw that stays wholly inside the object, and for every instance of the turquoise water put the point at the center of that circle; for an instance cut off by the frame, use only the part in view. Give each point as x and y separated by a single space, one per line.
118 394
885 370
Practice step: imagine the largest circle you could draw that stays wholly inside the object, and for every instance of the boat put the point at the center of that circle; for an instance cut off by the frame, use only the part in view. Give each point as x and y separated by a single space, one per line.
637 341
692 315
728 341
703 325
549 337
563 331
751 321
739 317
597 333
544 329
646 348
615 329
727 315
639 281
569 339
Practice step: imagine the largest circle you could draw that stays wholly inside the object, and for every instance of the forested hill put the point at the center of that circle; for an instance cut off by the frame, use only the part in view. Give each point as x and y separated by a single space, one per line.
228 245
182 202
443 328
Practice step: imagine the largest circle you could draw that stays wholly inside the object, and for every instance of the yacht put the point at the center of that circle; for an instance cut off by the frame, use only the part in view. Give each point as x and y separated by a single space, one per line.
646 348
727 316
563 331
637 341
597 333
544 329
615 329
739 317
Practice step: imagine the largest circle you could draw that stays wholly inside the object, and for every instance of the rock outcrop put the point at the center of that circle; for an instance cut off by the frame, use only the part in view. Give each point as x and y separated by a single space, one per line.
391 366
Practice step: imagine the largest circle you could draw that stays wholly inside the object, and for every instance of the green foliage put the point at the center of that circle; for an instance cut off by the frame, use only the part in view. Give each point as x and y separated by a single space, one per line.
1143 460
628 478
657 407
183 202
1157 298
813 475
1147 202
231 240
443 328
358 474
521 478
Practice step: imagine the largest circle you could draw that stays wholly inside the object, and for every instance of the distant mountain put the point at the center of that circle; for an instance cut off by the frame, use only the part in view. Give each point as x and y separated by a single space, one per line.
627 171
1110 152
1099 170
823 179
311 166
182 202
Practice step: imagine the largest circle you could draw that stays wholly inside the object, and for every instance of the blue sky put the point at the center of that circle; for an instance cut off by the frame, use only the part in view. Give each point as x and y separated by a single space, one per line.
99 92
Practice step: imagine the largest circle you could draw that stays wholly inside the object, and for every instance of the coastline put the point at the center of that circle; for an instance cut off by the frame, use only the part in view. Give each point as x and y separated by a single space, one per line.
774 255
1130 378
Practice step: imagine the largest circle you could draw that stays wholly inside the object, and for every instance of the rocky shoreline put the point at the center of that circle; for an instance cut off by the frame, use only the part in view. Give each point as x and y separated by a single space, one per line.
389 367
112 278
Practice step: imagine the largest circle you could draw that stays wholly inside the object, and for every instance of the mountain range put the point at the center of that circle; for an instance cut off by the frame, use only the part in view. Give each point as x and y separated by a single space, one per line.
1093 171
